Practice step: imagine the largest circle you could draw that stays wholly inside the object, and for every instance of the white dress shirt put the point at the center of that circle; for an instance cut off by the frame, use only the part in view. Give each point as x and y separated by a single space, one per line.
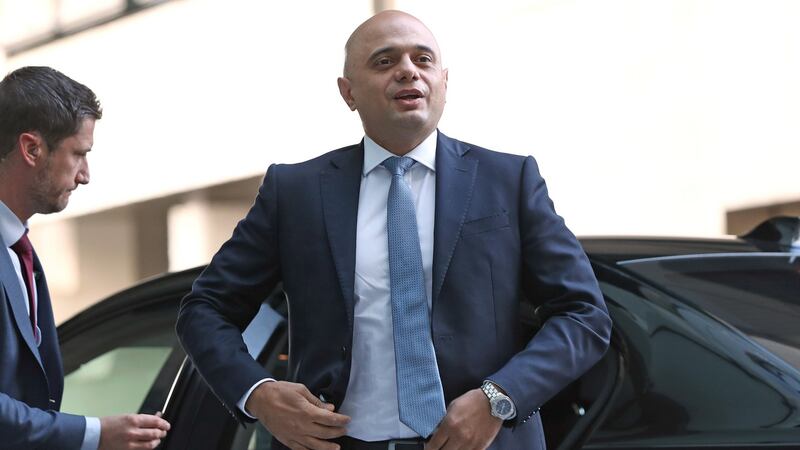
11 230
371 399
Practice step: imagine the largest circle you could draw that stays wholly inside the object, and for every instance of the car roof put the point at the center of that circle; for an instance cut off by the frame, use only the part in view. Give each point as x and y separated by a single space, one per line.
770 236
167 287
612 249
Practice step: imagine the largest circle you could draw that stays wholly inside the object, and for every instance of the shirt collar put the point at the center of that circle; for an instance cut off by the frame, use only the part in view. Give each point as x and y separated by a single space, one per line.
11 229
424 153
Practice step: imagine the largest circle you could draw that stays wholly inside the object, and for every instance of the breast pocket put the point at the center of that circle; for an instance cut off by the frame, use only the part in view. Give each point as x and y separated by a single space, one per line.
485 224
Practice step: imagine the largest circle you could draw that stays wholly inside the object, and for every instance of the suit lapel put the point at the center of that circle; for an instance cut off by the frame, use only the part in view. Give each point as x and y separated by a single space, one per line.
49 347
341 184
455 179
8 276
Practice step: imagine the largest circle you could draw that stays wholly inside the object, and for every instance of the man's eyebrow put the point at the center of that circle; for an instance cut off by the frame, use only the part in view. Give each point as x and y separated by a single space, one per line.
391 49
381 51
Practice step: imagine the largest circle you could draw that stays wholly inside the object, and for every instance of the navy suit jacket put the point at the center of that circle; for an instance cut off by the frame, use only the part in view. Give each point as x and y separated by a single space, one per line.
31 377
498 243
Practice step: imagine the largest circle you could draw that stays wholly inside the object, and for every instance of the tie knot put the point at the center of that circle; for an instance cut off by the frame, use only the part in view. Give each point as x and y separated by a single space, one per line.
23 246
398 164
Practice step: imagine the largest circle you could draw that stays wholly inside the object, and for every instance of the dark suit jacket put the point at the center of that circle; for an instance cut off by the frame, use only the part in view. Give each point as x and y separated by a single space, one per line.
497 243
31 378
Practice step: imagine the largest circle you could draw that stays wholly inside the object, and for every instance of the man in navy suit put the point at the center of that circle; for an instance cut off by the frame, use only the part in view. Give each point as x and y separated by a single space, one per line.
46 130
485 241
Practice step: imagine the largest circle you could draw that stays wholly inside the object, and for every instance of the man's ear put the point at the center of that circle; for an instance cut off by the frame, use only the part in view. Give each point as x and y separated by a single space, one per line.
346 93
31 147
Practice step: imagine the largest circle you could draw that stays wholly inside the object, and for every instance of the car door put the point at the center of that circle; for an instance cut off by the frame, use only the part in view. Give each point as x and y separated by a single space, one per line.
199 420
122 355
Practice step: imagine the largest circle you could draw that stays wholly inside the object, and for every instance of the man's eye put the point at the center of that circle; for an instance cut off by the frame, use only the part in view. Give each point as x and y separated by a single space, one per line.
425 59
383 61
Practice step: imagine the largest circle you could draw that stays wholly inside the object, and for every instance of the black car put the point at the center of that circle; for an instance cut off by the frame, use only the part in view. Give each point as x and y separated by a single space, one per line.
705 351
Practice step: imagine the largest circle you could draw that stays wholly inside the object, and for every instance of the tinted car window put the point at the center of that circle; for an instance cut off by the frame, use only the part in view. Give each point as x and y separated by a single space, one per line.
690 378
115 382
758 295
112 365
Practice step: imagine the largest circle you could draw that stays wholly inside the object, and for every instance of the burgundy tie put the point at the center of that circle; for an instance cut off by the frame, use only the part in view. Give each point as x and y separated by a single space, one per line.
24 251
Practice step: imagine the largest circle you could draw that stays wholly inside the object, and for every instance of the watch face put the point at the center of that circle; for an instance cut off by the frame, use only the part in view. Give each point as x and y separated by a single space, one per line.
503 407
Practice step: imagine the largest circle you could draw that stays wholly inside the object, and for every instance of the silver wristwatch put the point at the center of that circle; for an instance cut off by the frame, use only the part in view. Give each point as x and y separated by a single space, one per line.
502 406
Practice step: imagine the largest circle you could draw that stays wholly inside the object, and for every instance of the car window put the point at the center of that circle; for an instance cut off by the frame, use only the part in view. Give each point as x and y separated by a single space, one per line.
690 378
759 295
115 382
112 365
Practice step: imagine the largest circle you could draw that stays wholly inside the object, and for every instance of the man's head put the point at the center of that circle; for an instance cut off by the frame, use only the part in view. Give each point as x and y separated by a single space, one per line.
46 130
393 77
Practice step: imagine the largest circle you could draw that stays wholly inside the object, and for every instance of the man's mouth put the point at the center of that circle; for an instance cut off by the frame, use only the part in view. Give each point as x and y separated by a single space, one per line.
408 94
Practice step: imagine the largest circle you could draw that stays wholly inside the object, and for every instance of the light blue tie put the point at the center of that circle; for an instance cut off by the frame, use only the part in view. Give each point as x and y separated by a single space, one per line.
419 391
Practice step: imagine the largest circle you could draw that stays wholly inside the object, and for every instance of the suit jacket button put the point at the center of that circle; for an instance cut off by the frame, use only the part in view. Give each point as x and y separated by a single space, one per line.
344 352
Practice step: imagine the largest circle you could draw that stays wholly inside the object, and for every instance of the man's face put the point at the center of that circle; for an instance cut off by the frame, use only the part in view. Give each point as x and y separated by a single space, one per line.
63 169
394 76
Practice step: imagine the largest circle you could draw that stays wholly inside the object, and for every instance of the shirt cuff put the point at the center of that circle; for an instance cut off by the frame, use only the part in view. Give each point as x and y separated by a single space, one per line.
246 396
91 437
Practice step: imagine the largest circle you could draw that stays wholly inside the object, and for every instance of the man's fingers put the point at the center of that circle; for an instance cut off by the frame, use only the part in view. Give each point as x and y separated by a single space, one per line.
150 421
323 413
147 428
145 445
294 445
329 418
148 434
438 439
324 432
310 397
316 401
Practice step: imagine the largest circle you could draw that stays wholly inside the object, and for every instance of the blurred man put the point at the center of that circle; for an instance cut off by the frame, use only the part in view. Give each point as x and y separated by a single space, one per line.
46 131
405 259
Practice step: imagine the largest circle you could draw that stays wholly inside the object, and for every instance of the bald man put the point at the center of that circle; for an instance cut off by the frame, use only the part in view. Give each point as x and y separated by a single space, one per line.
405 259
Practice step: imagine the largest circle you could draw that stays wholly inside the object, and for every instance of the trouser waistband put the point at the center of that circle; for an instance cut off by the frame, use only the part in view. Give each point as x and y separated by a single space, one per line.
349 443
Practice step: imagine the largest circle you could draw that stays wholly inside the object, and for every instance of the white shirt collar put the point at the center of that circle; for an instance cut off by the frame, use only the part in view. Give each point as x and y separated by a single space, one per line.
11 229
424 153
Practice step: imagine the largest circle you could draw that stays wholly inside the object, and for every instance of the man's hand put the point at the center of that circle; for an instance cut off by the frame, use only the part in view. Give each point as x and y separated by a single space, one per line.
295 417
468 424
132 431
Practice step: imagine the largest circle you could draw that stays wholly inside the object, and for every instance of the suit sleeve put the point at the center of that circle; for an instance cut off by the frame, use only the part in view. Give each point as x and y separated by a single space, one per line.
558 279
23 427
226 297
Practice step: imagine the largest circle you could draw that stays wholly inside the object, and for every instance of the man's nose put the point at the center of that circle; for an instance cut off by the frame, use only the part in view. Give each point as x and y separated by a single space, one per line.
83 174
406 70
